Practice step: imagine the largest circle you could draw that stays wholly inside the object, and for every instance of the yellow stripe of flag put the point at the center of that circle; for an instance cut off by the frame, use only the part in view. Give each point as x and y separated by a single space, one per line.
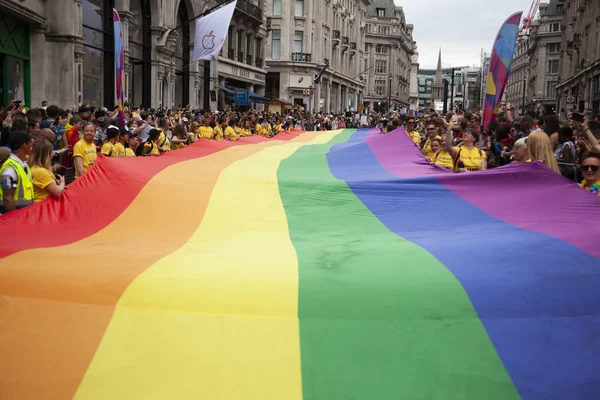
216 319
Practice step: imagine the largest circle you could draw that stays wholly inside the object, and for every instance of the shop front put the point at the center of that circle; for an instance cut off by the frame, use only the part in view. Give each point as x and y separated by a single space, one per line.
234 76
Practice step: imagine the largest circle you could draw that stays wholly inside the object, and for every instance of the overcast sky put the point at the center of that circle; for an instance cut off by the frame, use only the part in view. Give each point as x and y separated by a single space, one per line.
460 27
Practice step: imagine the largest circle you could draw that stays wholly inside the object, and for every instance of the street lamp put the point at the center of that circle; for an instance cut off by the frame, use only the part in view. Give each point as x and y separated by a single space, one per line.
524 87
390 95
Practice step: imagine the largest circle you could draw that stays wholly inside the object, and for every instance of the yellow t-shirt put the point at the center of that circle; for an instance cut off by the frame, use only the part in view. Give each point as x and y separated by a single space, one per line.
415 137
230 133
177 146
163 142
245 132
427 148
87 152
218 133
109 150
206 132
258 129
41 178
443 159
120 149
129 152
153 146
471 158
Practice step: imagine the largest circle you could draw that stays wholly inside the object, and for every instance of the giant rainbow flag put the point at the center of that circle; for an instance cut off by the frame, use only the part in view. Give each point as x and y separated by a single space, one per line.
317 265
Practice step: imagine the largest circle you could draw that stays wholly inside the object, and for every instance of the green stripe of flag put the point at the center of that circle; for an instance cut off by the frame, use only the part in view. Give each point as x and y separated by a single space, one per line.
380 317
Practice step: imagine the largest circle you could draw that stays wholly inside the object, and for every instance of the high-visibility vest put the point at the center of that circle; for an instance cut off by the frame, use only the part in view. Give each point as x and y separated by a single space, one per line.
24 191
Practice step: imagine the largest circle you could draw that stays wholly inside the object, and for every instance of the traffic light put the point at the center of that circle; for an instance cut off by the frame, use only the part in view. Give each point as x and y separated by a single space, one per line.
460 105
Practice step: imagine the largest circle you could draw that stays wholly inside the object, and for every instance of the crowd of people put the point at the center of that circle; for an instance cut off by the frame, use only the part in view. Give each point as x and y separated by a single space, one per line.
456 142
43 149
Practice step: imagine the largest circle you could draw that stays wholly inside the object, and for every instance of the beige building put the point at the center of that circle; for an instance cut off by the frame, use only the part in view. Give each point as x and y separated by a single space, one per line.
305 36
544 59
389 48
516 88
579 83
62 51
414 82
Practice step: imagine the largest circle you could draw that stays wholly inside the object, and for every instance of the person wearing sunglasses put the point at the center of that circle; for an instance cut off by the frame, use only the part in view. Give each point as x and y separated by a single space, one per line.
590 168
432 133
467 157
412 132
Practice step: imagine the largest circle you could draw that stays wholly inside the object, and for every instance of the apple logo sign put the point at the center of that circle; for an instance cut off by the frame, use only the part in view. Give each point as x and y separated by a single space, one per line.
208 41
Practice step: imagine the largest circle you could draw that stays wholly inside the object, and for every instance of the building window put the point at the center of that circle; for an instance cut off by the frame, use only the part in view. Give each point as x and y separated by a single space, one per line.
230 43
140 50
380 87
555 27
381 49
276 8
381 66
98 59
276 44
381 12
553 48
551 89
298 41
299 10
553 66
14 40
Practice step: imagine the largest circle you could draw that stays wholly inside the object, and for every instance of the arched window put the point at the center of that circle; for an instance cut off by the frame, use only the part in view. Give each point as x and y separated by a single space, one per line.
182 58
140 53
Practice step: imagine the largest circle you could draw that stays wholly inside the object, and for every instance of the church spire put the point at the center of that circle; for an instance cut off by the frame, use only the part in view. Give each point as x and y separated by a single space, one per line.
438 73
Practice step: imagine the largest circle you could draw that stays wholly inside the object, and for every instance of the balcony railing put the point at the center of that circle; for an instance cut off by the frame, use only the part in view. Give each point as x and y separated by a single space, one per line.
336 35
258 62
240 56
301 57
250 9
345 41
231 54
249 59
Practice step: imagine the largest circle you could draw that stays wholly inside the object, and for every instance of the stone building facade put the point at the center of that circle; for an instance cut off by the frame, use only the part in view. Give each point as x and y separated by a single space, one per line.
62 51
304 36
414 83
579 83
516 88
389 48
544 59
